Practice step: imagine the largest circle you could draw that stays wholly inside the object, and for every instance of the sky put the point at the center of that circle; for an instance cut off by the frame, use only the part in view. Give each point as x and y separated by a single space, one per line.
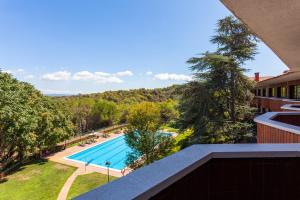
87 46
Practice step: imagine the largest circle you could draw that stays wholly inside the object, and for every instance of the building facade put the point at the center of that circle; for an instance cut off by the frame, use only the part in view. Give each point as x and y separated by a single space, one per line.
274 94
278 101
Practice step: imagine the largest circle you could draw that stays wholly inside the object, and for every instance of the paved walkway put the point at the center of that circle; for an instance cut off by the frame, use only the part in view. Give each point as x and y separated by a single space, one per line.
65 189
86 136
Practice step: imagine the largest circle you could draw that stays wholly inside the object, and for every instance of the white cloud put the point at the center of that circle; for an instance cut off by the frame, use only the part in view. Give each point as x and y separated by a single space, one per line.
149 73
29 76
99 77
20 70
124 73
57 76
83 75
109 79
172 77
102 74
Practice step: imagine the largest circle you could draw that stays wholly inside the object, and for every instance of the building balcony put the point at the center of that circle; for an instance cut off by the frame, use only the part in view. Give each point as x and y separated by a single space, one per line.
291 107
278 127
226 171
275 104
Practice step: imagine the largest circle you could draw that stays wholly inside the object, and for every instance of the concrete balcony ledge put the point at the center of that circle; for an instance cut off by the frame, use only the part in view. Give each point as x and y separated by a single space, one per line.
268 119
290 107
152 179
279 99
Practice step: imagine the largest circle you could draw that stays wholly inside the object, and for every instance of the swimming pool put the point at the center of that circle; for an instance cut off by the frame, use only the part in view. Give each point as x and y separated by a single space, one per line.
114 151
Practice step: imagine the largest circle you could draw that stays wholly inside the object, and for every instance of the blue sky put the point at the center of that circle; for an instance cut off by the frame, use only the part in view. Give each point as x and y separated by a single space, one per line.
73 46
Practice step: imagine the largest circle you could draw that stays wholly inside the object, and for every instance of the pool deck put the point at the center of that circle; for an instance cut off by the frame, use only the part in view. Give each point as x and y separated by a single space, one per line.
60 157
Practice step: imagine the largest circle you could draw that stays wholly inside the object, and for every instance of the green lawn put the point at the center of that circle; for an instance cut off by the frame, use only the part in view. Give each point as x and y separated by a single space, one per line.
36 180
87 182
169 128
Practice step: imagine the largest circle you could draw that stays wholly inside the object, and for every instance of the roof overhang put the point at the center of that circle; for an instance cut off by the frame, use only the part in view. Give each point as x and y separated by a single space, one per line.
290 76
276 22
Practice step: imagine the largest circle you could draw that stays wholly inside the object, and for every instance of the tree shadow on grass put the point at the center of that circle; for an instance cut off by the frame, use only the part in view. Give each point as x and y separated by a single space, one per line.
22 166
3 180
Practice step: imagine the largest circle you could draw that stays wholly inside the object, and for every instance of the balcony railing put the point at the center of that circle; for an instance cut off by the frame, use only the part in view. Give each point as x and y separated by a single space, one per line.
279 99
226 171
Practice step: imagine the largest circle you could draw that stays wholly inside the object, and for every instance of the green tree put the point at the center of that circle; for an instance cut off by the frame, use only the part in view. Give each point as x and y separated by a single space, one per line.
86 115
143 137
122 112
237 43
216 102
168 111
27 121
105 112
82 109
54 124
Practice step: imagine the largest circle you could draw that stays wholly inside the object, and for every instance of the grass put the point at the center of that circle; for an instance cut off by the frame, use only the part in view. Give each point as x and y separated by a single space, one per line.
87 182
170 129
36 180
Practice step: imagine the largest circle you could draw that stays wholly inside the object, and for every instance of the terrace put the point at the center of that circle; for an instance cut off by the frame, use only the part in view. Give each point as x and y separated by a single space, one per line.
248 171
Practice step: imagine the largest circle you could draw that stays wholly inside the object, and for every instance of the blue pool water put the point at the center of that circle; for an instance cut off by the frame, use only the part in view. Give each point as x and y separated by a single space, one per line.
114 151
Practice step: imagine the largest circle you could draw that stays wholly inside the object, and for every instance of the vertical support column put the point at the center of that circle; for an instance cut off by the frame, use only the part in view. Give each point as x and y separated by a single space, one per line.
287 90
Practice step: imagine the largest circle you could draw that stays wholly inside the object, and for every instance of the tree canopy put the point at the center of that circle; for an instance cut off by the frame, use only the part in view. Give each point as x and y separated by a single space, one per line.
93 111
29 121
143 137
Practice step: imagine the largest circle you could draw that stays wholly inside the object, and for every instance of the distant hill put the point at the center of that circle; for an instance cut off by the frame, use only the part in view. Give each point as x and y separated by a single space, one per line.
134 95
57 95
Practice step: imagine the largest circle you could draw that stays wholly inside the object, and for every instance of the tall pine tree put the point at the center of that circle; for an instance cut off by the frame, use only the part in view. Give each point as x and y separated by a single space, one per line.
216 104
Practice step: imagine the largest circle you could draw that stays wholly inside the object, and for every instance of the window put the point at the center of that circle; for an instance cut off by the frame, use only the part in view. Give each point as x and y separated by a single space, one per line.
254 92
297 89
292 91
273 92
258 92
270 92
264 92
283 92
279 92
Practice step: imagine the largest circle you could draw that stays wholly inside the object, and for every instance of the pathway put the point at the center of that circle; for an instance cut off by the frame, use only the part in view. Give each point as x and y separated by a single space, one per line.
65 189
